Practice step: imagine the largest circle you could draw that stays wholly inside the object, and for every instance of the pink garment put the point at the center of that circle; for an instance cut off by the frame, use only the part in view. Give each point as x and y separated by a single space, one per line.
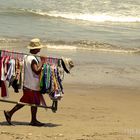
4 89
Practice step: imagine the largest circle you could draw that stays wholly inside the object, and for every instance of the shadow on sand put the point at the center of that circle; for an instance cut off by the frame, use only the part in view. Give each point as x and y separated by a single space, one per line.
15 123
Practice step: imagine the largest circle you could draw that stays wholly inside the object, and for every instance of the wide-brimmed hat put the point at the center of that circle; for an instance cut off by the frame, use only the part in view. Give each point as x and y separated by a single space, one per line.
67 64
35 44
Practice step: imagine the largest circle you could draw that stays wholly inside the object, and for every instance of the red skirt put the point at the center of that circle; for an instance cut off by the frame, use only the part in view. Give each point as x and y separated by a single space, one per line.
30 96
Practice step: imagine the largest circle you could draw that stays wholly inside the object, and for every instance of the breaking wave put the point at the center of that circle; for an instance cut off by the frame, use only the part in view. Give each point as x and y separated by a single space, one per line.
70 46
96 17
87 17
90 46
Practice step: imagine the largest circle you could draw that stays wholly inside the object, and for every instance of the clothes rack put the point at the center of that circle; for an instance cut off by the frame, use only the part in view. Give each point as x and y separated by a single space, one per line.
19 55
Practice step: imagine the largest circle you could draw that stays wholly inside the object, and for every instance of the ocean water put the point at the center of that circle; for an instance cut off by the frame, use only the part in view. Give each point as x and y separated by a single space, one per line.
87 24
101 34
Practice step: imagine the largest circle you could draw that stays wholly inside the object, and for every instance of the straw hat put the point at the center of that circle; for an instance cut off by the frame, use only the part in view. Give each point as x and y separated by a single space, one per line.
35 44
67 64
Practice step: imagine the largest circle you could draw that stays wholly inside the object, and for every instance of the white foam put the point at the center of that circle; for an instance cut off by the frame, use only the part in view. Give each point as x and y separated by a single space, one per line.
110 50
61 47
8 39
117 51
74 48
97 17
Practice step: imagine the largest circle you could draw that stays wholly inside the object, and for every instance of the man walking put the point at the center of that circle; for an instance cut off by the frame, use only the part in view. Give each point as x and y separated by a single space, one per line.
31 90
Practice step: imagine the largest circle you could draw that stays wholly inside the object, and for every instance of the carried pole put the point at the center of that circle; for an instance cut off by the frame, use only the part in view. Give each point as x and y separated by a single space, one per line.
26 104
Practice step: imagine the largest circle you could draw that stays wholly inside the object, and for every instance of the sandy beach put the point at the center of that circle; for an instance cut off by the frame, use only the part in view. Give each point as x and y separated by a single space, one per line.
102 92
85 113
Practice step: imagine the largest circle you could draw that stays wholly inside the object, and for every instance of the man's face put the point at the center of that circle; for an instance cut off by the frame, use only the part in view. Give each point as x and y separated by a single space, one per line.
36 51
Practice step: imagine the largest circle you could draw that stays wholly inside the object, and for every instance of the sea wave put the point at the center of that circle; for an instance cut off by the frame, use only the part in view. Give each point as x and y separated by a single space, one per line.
71 46
87 17
8 40
91 17
96 17
90 46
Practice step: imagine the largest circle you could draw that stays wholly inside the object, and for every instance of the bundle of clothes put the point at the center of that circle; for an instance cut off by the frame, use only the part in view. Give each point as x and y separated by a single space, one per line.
51 78
51 82
12 72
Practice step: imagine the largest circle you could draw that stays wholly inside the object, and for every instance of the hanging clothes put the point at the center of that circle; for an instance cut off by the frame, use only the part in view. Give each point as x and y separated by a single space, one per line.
45 79
11 70
17 81
4 88
50 82
14 74
57 93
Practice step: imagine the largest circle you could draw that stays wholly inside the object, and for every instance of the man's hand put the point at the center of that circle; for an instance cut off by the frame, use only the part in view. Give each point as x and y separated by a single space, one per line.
42 60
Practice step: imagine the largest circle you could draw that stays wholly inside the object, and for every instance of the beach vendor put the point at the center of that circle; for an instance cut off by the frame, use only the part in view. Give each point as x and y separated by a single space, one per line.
31 90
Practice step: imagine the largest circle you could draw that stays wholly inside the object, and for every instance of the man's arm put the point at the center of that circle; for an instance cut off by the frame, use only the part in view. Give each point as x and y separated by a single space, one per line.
36 68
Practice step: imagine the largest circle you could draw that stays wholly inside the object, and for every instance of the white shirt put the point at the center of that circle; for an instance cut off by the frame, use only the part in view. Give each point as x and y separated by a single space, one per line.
31 80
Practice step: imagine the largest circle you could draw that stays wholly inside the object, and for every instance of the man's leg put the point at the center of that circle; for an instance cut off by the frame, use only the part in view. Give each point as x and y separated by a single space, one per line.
33 114
34 120
8 114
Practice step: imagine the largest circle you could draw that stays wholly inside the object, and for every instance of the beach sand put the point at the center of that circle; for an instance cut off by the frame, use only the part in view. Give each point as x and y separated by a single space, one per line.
84 113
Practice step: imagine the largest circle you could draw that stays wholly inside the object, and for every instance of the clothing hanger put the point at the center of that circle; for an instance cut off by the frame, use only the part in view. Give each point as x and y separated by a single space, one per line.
50 60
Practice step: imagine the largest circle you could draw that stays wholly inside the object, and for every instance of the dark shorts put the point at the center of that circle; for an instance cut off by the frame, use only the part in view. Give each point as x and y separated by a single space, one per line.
30 96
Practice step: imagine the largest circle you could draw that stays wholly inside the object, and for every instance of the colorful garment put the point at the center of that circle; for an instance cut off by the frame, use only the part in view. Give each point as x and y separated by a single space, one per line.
45 79
4 88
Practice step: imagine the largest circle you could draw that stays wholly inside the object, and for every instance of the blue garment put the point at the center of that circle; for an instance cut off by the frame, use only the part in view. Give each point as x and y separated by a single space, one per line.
46 80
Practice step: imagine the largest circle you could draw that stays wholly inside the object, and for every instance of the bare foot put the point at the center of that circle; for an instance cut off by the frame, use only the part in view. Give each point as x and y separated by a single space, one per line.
36 123
8 117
